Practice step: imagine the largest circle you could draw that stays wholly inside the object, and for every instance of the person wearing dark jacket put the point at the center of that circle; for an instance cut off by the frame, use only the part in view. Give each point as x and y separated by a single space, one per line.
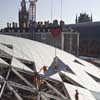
76 95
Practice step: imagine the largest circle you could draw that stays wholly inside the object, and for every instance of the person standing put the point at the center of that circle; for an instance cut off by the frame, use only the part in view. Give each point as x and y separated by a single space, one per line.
76 95
44 68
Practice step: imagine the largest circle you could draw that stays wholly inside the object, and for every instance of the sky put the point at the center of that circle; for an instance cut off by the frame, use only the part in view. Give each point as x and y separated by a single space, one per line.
70 8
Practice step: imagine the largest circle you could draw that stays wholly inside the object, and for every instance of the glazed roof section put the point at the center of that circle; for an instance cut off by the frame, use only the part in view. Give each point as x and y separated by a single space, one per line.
42 54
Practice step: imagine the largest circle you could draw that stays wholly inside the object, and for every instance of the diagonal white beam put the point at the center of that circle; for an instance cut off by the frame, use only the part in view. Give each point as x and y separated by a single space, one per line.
3 87
16 94
53 88
43 97
23 87
39 96
50 96
24 79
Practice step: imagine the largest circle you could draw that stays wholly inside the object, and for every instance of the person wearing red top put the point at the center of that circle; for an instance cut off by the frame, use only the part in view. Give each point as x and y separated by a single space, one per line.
37 80
35 76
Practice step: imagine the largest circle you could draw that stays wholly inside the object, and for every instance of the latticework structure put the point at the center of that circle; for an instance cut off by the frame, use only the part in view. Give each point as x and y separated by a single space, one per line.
29 70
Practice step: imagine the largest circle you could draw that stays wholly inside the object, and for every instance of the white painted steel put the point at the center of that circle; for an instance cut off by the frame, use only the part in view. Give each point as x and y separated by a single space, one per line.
43 54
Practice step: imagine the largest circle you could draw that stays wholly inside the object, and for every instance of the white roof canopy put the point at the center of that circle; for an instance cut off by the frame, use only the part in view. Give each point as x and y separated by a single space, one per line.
43 55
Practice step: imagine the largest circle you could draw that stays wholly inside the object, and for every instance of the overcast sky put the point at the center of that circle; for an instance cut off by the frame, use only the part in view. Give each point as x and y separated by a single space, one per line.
9 10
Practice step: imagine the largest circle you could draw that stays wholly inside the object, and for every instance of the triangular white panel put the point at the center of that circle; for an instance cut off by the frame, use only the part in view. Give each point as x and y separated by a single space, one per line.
90 68
56 77
3 62
83 93
20 65
6 49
